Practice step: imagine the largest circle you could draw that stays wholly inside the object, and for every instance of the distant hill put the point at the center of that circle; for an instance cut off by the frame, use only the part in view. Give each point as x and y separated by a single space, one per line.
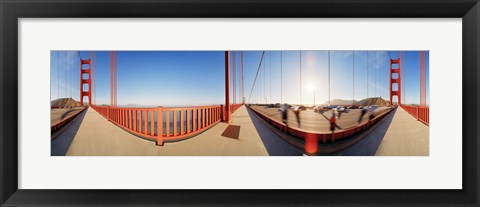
340 102
63 102
373 101
365 102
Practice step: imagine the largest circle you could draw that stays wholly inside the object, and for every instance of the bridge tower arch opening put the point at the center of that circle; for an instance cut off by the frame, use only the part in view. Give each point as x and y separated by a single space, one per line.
85 81
395 79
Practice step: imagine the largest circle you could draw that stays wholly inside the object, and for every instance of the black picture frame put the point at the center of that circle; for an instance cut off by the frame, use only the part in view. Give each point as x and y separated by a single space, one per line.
10 11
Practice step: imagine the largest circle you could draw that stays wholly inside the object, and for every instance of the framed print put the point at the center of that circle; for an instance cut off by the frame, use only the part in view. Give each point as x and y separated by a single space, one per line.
205 103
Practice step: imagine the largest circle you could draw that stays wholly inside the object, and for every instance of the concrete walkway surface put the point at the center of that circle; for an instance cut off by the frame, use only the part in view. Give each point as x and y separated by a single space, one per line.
93 135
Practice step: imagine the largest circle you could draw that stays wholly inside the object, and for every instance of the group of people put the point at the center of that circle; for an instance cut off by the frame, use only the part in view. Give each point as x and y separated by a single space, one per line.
333 117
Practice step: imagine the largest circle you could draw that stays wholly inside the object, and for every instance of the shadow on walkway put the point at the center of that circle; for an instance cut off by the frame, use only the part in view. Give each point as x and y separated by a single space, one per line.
275 145
369 144
60 145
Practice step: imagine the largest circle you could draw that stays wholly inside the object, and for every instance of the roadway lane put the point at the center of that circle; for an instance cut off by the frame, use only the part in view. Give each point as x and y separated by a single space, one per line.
57 115
319 122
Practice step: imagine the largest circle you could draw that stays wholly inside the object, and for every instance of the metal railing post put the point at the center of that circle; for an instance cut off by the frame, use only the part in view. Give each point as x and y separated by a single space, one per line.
159 141
222 117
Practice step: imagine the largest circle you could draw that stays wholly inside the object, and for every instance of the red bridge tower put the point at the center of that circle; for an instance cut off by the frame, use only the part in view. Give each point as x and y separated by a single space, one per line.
395 71
85 70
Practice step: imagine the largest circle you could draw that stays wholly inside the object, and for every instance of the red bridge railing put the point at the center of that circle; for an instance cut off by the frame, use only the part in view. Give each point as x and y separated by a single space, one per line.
163 124
422 113
234 107
59 124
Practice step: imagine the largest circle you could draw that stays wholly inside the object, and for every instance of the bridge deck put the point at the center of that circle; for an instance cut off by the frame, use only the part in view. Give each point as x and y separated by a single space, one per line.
318 122
57 115
399 134
91 134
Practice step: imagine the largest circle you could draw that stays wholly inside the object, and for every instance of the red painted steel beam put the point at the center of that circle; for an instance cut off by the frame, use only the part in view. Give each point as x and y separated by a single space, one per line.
227 87
113 78
397 80
423 91
87 81
234 75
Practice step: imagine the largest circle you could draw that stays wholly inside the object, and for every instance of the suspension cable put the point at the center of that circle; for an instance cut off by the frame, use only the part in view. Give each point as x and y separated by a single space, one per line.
270 76
281 76
261 59
264 82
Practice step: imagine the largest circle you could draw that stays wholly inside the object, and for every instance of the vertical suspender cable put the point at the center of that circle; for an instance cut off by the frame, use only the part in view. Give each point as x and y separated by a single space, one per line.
116 99
95 77
404 86
58 74
233 76
66 71
115 78
329 77
259 86
111 78
235 80
353 78
71 74
367 79
115 86
92 67
243 95
300 77
281 76
382 76
270 76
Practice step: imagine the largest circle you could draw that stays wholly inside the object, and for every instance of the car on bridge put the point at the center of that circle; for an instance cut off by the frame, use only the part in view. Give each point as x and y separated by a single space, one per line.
319 108
341 108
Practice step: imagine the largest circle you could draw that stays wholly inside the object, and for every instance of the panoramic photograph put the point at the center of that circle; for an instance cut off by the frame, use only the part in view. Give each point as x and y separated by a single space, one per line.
239 103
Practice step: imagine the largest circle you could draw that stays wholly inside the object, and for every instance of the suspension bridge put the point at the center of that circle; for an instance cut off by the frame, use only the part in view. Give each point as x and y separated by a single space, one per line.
242 125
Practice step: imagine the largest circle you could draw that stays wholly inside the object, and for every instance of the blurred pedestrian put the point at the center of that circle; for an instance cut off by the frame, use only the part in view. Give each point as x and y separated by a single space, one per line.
284 110
372 112
362 113
296 110
333 124
333 121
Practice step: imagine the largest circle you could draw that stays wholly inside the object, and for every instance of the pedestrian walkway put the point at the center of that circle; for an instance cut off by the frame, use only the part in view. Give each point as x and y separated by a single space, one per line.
405 137
93 135
399 134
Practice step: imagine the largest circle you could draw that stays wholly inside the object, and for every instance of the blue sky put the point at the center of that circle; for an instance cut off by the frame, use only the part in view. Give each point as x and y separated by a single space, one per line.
181 78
